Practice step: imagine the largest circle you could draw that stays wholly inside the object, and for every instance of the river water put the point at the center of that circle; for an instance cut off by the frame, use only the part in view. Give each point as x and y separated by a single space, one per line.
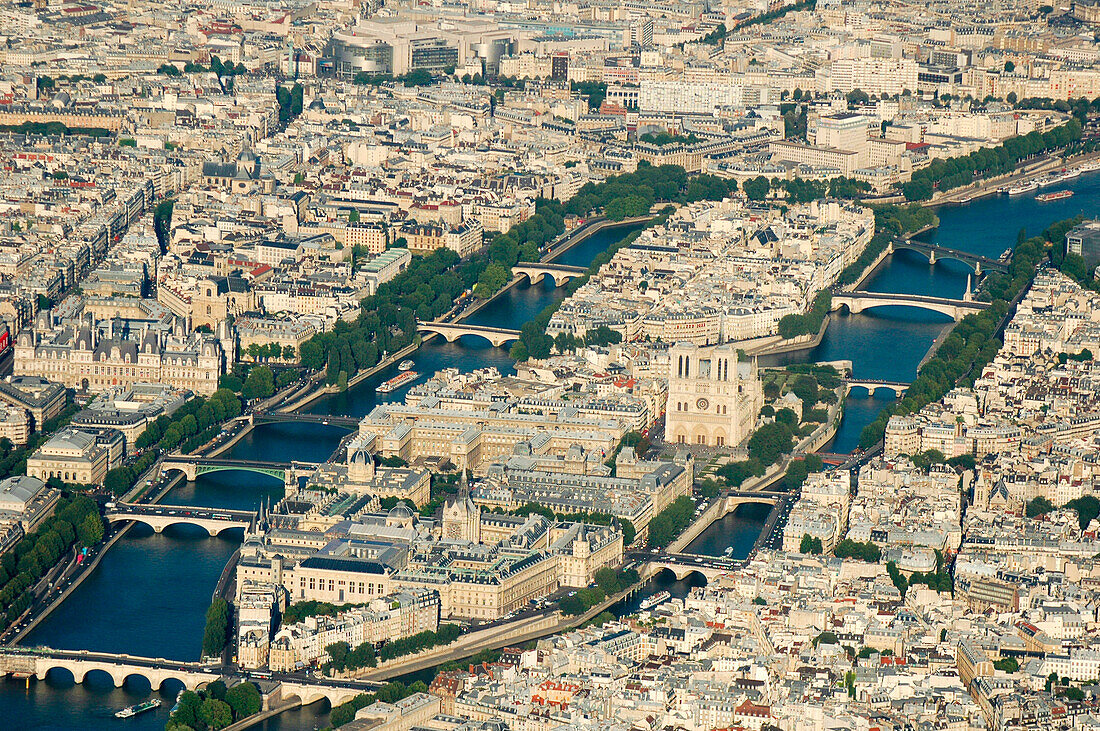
149 594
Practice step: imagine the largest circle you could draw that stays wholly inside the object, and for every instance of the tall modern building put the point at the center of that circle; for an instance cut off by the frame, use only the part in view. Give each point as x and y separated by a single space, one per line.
713 399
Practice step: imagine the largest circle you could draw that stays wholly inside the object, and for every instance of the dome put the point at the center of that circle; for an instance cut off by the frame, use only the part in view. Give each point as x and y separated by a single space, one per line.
359 457
399 512
247 155
317 104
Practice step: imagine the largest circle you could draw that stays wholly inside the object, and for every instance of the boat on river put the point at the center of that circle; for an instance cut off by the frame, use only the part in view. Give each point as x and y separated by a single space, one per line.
405 365
1055 196
651 601
398 381
1022 188
137 708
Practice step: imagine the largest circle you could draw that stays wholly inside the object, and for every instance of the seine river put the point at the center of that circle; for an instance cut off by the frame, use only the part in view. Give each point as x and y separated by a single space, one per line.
148 595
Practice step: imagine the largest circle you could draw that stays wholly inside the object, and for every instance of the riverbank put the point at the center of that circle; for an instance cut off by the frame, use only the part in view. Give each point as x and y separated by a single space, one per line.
1024 174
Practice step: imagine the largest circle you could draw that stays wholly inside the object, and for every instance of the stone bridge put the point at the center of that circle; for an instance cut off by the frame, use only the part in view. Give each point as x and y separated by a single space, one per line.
683 565
935 253
335 691
193 467
38 662
560 273
857 302
452 331
159 517
871 385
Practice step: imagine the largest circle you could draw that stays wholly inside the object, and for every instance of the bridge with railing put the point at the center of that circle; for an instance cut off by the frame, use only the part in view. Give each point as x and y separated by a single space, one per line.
159 517
192 467
560 273
452 331
898 387
935 253
859 301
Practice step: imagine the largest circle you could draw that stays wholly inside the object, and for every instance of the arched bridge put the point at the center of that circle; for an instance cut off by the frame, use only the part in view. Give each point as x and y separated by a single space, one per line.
560 273
192 467
871 385
857 302
452 331
40 661
278 417
935 253
159 517
683 565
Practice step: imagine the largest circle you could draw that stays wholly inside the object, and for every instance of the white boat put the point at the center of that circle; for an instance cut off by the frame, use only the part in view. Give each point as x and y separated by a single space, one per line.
1022 188
1071 173
402 379
138 708
652 601
405 365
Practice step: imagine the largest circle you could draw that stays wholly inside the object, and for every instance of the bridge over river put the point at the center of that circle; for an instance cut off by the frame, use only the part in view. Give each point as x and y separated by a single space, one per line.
193 466
159 517
38 662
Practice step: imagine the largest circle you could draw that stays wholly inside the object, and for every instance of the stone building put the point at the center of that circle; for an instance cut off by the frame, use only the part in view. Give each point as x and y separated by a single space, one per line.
90 355
713 399
72 456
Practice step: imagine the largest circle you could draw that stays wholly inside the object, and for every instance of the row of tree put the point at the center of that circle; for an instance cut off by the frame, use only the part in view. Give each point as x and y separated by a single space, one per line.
75 522
955 172
609 582
670 522
190 426
215 707
216 635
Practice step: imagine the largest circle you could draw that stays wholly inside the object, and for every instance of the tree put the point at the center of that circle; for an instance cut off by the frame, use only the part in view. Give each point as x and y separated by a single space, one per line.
90 530
217 625
216 689
810 544
756 189
1009 67
216 714
259 384
1038 506
244 699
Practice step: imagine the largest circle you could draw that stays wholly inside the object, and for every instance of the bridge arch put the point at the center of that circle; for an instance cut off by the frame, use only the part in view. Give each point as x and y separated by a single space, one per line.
873 390
159 523
856 305
683 573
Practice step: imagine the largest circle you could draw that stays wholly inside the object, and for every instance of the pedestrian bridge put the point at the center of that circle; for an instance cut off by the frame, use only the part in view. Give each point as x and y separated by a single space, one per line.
857 302
192 467
935 253
871 385
159 517
452 331
560 273
38 662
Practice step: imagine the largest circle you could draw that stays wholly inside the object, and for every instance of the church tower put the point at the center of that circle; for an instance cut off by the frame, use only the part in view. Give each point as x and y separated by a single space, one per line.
713 399
461 517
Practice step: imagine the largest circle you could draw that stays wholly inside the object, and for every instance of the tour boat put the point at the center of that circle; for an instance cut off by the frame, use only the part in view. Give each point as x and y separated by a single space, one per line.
138 708
1023 188
1055 196
652 601
398 381
405 365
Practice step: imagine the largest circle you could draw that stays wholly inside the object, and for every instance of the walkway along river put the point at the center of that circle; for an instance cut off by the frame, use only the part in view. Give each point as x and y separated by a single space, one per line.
149 594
